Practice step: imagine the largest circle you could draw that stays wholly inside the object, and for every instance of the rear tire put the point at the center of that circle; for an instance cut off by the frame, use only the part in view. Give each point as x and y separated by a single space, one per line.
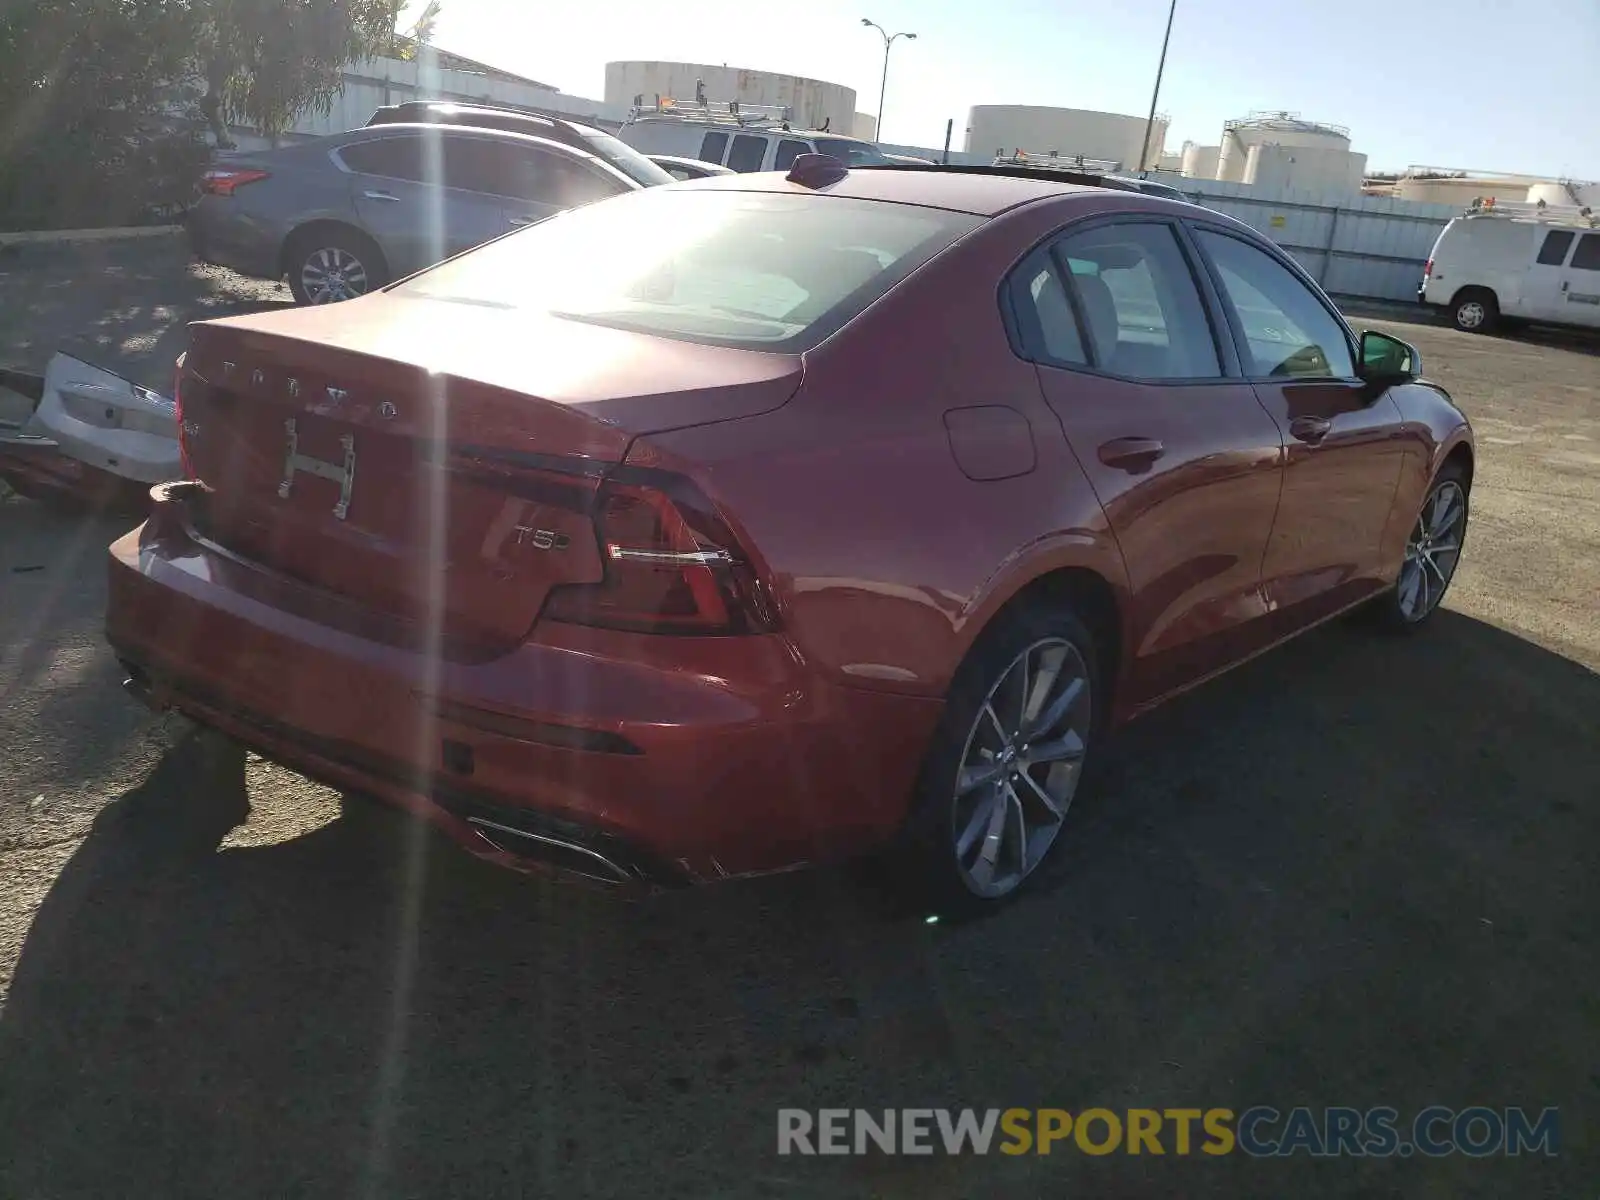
1475 310
330 263
1020 723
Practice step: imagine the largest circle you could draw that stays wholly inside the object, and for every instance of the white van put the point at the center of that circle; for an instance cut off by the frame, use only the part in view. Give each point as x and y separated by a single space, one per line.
1508 263
742 140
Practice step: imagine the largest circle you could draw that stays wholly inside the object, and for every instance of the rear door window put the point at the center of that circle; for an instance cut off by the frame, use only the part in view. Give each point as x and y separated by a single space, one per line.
391 158
1587 256
747 153
1138 302
1556 244
713 147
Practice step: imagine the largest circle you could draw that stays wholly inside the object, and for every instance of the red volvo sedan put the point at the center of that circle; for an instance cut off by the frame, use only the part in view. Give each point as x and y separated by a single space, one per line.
730 526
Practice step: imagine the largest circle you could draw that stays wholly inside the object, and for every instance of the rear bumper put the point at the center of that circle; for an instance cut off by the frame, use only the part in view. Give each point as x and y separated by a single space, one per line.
646 759
221 234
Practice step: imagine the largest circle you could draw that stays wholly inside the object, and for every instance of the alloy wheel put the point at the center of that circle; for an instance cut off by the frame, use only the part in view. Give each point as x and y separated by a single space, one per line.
1020 767
331 274
1432 551
1471 314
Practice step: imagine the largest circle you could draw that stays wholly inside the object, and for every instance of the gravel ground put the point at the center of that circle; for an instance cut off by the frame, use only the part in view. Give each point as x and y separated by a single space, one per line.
1354 872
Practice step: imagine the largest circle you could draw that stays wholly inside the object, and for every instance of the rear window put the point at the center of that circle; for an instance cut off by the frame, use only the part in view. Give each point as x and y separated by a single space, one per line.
853 153
731 268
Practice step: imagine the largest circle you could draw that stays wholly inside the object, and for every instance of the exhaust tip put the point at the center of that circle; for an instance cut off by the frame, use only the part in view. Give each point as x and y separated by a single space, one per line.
554 852
138 684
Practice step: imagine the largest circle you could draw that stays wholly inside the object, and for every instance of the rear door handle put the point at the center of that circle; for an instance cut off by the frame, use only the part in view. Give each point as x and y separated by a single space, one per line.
386 197
519 222
1310 429
1131 453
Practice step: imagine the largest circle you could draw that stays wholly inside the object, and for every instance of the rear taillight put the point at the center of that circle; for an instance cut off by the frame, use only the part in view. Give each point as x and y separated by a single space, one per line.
672 565
224 181
1427 269
183 432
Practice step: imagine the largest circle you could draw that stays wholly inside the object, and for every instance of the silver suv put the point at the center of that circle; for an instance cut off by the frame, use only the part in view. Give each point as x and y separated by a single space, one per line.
345 215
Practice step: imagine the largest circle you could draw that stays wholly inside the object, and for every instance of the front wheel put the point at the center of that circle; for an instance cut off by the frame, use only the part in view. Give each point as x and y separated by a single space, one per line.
1006 762
1432 553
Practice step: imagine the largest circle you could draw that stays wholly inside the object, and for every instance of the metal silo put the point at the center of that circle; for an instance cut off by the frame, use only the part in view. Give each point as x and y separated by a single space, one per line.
1070 132
1272 128
1200 162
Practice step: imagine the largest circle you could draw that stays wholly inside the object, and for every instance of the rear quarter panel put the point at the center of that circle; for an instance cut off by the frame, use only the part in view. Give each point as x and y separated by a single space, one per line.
888 557
306 186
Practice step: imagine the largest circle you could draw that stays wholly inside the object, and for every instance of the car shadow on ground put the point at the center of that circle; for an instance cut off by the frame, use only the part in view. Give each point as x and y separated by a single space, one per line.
1357 871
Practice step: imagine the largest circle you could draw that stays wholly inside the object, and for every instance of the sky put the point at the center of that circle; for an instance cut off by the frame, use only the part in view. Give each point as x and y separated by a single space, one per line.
1473 84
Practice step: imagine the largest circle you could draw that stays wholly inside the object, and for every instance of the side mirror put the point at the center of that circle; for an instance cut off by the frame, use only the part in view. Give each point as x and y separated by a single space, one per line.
1386 359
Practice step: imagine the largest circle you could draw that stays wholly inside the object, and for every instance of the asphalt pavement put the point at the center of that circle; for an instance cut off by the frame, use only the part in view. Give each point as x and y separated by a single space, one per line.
1358 871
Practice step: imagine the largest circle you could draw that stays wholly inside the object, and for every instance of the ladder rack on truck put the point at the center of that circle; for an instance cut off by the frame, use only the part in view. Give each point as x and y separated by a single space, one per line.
1054 161
1579 216
713 112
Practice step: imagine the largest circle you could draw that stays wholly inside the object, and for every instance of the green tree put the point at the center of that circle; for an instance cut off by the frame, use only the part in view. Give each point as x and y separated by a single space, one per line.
95 110
264 62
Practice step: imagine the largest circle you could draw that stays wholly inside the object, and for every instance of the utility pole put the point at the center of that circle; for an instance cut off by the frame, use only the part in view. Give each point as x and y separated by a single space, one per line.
1149 125
889 39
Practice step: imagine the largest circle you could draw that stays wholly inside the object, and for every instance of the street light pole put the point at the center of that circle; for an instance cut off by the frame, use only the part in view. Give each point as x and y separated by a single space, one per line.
1149 125
883 87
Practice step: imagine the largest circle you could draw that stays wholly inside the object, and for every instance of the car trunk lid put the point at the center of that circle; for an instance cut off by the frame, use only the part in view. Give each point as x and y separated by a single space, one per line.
437 462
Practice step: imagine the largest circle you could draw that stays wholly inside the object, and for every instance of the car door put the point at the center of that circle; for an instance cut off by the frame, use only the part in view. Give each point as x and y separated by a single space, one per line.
1580 284
486 176
536 184
1344 442
1183 458
401 188
1545 292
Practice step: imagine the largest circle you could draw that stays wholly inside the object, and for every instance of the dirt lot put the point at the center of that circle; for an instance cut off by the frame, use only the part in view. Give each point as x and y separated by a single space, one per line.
1356 872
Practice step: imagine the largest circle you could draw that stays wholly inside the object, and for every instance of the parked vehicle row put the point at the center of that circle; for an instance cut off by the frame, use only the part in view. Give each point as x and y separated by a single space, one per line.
343 216
726 527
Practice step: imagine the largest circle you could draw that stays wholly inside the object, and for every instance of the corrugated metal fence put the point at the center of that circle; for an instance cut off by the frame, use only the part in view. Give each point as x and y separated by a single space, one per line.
1352 245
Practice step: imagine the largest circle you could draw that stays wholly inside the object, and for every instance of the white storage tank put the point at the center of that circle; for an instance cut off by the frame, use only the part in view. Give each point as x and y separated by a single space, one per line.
1462 189
1200 162
1037 129
1566 191
1311 168
813 103
1276 128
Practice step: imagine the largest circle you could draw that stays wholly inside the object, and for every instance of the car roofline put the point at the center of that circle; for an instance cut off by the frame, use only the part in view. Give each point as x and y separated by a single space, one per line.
1057 174
472 106
375 131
